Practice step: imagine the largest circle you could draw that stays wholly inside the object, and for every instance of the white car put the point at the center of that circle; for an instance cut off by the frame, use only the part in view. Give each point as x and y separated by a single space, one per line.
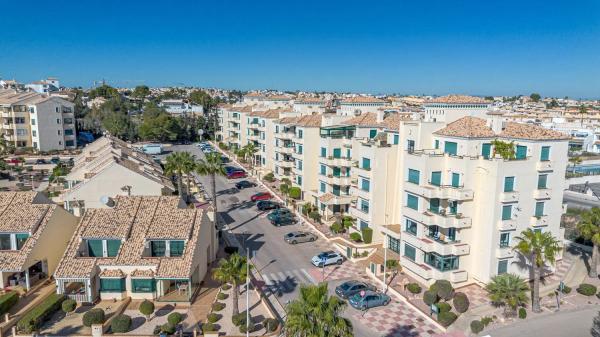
327 258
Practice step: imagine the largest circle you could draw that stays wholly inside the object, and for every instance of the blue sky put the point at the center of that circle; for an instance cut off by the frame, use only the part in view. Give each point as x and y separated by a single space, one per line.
479 47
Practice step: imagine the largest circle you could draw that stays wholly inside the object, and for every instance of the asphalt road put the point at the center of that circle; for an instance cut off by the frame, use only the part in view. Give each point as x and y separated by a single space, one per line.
284 267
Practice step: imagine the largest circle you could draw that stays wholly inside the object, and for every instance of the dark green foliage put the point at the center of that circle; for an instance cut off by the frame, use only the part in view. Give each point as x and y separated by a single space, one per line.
239 319
93 316
487 320
120 324
446 318
315 215
476 326
243 328
218 306
69 305
336 228
414 288
212 317
587 289
168 328
174 318
270 324
269 177
430 297
7 301
443 289
461 302
444 307
355 237
294 192
209 327
222 296
566 289
367 235
146 308
522 313
34 318
226 286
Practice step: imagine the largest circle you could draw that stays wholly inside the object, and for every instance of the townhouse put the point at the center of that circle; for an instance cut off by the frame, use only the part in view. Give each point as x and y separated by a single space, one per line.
143 247
33 235
38 121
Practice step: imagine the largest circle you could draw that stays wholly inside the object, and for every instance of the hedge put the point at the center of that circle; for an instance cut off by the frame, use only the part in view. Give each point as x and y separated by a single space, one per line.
222 296
587 289
34 319
7 301
209 327
336 228
146 308
168 328
522 313
93 316
218 306
414 288
461 302
121 324
269 177
445 318
270 324
174 318
476 326
367 235
444 307
239 319
243 328
355 237
68 305
213 318
430 297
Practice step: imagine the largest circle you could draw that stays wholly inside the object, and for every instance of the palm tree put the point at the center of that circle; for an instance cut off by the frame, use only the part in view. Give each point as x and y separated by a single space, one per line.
212 166
582 112
589 227
316 314
178 164
509 290
249 150
539 249
232 270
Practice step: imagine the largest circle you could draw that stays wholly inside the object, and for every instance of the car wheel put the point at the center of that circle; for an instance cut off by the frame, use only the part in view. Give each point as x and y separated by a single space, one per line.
294 242
339 262
386 302
312 239
364 307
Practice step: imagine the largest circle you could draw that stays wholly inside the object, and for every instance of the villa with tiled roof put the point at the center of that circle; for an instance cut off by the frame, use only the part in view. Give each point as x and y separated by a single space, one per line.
141 247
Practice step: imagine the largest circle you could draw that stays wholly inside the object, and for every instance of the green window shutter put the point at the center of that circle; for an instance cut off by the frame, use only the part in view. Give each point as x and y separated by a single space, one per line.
323 152
366 163
436 178
451 148
335 190
410 252
436 144
112 285
95 248
542 181
21 238
112 247
337 153
504 239
372 133
365 184
323 187
413 176
521 152
158 248
434 205
337 171
143 285
502 267
323 170
509 184
455 180
545 155
411 227
412 201
396 139
506 212
176 248
539 208
486 150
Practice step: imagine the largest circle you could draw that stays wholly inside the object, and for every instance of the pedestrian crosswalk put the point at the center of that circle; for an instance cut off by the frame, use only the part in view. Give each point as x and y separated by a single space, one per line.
287 280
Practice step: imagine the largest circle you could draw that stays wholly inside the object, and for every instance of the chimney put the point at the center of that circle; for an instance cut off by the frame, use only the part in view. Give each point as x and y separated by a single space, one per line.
380 116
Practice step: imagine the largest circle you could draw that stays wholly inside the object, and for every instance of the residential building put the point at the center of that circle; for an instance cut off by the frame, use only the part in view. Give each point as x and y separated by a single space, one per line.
143 247
450 108
310 105
46 86
354 106
179 107
33 120
33 236
261 132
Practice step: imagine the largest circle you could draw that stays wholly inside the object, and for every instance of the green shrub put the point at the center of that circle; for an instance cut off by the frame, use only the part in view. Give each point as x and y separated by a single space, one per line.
336 228
212 317
315 215
430 297
7 301
476 326
156 330
522 313
443 289
566 289
93 316
68 305
367 234
174 318
270 324
243 328
222 296
355 237
414 288
146 308
218 306
226 286
487 320
209 327
269 177
347 223
444 307
239 319
284 188
120 324
34 318
586 289
295 192
461 302
446 318
168 328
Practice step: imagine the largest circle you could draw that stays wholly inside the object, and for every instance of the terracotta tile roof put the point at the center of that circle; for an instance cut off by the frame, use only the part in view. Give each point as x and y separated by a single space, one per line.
361 99
369 119
458 99
277 98
309 100
528 131
142 273
114 273
287 120
467 127
326 197
253 94
271 113
310 120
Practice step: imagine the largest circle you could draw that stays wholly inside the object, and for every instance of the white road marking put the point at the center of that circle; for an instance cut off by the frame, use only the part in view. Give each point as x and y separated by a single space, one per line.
310 278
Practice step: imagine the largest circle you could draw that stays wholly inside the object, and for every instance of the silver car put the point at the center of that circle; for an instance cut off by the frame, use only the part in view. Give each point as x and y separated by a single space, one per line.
297 237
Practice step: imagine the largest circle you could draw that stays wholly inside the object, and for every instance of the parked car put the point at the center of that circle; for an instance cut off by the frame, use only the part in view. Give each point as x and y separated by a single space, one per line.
40 161
265 205
240 185
236 175
229 169
261 196
368 299
152 148
327 258
13 161
282 220
55 160
283 211
225 159
297 237
349 288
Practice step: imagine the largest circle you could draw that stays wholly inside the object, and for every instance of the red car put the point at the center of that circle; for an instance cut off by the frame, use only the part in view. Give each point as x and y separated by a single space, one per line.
236 175
261 196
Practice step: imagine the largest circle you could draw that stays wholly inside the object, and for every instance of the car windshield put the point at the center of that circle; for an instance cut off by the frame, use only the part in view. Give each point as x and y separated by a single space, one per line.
346 286
289 235
356 297
323 255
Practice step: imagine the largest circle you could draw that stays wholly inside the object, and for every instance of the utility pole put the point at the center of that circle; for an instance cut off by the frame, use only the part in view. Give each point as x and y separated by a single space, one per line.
385 262
247 292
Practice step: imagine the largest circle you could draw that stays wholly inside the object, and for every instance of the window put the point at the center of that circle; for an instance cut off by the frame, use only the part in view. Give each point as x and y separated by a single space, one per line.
450 148
299 180
436 144
441 263
506 212
143 285
112 285
5 242
521 152
365 184
539 209
412 201
34 133
336 171
300 134
33 121
434 205
323 152
372 133
396 139
410 252
504 239
299 165
337 153
69 143
323 187
411 227
112 247
509 184
176 248
486 149
363 224
542 181
502 267
59 132
364 205
58 121
299 149
95 248
21 239
323 170
158 248
394 244
413 176
545 154
366 163
455 180
436 178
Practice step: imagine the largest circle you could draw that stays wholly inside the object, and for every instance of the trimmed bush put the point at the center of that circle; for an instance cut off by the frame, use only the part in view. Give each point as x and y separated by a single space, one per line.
295 192
226 286
146 308
68 305
212 317
315 215
443 289
355 237
7 301
243 328
414 288
566 289
222 296
269 177
487 320
120 324
444 307
586 289
446 318
156 330
209 327
168 328
461 302
93 316
218 306
34 318
522 313
476 326
430 297
336 228
239 319
174 318
367 235
270 324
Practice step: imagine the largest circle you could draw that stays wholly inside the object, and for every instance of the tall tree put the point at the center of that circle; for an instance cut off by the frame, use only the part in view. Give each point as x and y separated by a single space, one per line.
232 270
140 93
316 314
535 97
212 166
179 164
249 150
538 249
508 290
589 228
582 112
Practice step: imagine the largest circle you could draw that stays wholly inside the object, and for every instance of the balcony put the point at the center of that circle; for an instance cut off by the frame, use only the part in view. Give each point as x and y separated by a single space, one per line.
285 135
506 225
545 166
332 161
445 247
357 213
504 252
285 163
509 196
336 180
255 137
441 192
538 221
427 272
544 193
332 199
286 150
448 220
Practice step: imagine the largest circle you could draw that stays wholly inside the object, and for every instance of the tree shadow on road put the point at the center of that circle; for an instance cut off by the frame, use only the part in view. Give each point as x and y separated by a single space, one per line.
281 287
404 331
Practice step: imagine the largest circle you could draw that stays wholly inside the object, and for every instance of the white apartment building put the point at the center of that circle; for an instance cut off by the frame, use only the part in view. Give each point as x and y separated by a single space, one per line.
309 105
179 107
38 121
354 106
261 131
46 86
452 107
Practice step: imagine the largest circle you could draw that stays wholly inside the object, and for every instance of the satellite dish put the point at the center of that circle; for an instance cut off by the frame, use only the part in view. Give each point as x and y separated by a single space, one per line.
108 201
